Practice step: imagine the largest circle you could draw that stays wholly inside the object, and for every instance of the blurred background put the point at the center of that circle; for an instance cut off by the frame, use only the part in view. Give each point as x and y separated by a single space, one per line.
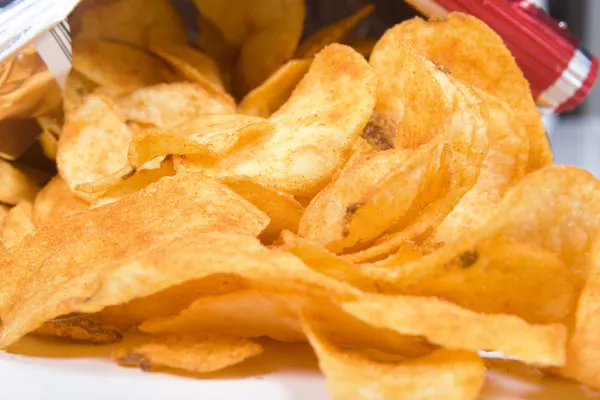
575 135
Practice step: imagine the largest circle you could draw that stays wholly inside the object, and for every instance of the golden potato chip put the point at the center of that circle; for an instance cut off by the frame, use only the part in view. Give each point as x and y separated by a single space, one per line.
582 350
168 302
442 374
497 276
168 104
267 98
264 32
414 95
245 313
311 133
254 313
480 57
282 208
93 143
457 328
211 40
17 224
79 252
192 353
16 136
80 328
135 183
208 135
76 88
503 167
54 201
191 64
137 22
15 185
315 256
118 67
49 144
335 33
403 190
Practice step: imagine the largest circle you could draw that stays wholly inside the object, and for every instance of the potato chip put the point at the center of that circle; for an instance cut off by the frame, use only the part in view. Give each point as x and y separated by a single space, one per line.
168 104
191 64
335 33
480 57
457 328
76 88
281 207
208 135
321 260
265 33
79 328
497 276
118 67
15 185
414 95
168 302
138 181
93 143
79 252
16 136
582 350
17 224
401 190
442 374
211 40
49 144
267 98
54 201
503 167
246 313
194 353
311 133
133 21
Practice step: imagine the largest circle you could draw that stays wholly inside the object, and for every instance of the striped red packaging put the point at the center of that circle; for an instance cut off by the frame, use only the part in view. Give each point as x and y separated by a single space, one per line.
560 71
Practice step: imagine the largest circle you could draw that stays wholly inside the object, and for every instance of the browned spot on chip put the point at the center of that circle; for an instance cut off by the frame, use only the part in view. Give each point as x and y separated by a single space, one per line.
379 133
80 328
468 258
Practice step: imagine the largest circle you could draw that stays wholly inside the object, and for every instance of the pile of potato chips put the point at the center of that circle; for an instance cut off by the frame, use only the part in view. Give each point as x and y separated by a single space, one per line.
399 212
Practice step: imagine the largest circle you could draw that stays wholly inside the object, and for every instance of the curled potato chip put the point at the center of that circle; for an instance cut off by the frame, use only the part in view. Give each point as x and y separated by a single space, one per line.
169 301
503 167
48 138
15 185
480 57
582 350
118 67
311 133
457 328
138 181
80 328
405 191
133 21
335 33
80 251
414 95
168 104
265 33
246 313
54 201
191 64
194 353
281 207
93 143
442 374
267 98
17 224
208 135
